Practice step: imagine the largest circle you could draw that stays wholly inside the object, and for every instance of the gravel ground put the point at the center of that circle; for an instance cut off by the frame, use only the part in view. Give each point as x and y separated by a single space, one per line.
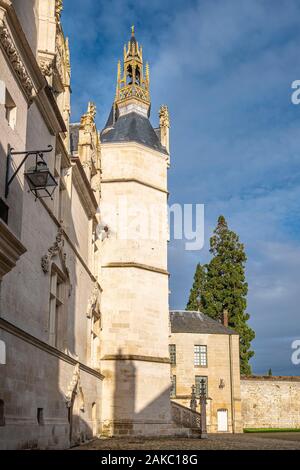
278 441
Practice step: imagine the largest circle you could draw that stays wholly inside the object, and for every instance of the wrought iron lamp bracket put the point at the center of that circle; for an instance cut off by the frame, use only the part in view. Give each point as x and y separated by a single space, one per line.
39 154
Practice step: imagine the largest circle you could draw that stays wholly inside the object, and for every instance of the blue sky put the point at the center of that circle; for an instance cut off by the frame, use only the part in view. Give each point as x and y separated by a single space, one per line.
225 69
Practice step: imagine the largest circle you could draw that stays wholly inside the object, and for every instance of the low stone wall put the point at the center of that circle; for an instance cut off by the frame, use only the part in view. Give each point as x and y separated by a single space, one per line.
270 402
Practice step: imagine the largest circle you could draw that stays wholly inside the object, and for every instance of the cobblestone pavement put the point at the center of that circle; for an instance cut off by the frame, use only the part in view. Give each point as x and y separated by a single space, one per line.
251 441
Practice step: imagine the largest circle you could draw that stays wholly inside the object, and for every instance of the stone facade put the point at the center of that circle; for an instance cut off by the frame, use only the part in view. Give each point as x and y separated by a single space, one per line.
50 380
270 402
221 369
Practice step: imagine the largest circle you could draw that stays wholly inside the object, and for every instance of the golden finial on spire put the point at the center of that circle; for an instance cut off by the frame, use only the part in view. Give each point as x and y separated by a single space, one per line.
132 81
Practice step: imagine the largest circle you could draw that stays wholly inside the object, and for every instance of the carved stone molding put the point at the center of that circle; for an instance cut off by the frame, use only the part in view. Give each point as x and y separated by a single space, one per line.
75 388
46 347
53 251
15 60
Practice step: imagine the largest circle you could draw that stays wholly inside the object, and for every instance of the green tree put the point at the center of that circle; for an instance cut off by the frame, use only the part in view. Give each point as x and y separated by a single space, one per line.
223 287
196 292
270 373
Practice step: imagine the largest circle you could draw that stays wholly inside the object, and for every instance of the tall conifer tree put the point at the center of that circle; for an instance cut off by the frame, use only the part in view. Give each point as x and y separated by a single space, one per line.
221 285
196 292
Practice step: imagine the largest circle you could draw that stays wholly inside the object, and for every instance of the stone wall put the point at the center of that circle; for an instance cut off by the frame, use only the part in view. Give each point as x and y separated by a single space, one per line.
270 402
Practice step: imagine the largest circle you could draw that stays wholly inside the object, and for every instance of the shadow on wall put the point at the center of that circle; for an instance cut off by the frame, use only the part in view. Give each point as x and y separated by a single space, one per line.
126 419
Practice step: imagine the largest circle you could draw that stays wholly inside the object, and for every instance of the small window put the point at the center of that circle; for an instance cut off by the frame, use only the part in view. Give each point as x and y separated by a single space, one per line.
172 350
173 386
10 110
200 382
40 416
2 416
200 356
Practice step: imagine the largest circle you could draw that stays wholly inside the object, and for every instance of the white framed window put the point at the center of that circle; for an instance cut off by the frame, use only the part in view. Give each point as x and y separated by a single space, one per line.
200 355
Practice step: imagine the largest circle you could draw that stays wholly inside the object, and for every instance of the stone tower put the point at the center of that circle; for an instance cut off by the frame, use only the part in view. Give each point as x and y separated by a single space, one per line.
134 306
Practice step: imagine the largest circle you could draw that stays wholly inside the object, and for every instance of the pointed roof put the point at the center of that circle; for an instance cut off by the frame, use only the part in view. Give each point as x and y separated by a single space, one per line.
131 127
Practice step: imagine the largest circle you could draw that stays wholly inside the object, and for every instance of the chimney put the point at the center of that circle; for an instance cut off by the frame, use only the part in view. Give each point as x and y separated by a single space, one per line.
225 318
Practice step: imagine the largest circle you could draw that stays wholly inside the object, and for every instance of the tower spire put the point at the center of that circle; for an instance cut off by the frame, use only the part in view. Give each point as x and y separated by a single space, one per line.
132 79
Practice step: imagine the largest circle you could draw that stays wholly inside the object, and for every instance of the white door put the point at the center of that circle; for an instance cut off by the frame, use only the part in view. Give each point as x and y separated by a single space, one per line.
222 420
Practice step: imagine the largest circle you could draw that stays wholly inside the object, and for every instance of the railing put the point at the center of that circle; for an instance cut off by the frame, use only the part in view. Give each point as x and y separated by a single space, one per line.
185 417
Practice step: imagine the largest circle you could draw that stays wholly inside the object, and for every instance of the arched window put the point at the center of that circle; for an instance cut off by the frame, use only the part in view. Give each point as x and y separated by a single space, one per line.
137 76
129 75
2 416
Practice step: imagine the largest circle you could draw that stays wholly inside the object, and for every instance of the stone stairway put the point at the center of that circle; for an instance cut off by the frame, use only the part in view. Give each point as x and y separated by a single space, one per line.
186 418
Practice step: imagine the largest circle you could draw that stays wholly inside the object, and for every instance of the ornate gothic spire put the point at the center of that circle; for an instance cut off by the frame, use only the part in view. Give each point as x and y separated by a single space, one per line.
132 80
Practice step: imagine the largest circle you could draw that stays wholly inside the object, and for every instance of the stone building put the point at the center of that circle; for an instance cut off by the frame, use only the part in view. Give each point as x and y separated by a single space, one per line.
84 318
202 349
76 359
50 380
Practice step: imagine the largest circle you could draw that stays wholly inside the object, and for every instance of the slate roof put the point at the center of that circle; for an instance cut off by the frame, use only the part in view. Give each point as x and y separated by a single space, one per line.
131 127
74 137
196 322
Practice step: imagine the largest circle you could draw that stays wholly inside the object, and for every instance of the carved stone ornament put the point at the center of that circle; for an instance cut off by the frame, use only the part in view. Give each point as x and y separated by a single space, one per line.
58 9
13 55
94 302
74 388
46 67
54 250
96 183
164 117
88 119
